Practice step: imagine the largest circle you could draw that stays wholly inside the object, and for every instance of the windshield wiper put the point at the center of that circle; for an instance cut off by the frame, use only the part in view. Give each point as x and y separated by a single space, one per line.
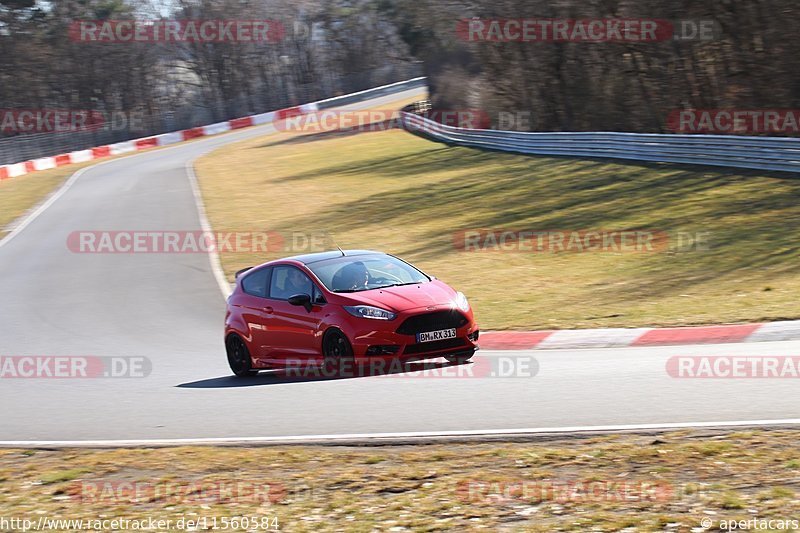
381 287
400 284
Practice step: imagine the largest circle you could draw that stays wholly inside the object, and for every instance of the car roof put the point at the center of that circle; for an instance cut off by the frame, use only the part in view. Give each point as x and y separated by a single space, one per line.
307 259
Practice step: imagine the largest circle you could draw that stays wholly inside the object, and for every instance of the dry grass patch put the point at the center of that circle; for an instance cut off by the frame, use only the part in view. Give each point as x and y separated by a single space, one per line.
399 193
427 488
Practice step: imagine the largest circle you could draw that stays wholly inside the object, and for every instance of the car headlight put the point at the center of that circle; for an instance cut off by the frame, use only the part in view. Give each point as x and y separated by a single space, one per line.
461 301
367 311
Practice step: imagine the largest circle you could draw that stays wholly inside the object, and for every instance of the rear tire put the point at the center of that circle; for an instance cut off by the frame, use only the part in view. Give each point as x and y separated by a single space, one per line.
336 350
239 357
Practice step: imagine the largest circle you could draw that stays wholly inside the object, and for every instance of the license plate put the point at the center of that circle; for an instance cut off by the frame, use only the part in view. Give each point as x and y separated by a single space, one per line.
429 336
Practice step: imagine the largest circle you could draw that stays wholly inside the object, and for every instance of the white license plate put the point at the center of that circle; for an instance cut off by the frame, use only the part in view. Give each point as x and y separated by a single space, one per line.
429 336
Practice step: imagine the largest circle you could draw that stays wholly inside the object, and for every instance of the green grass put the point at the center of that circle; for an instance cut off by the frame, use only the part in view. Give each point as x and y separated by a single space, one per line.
61 476
731 501
399 193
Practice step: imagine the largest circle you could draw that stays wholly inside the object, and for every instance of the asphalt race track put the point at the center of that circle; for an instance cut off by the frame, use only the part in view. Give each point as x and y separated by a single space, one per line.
169 309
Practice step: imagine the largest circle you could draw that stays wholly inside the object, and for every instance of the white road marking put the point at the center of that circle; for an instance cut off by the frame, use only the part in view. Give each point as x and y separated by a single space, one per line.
213 256
376 437
28 219
43 207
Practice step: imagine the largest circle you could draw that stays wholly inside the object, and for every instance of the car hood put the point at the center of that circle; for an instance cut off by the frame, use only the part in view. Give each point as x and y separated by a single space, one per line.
406 297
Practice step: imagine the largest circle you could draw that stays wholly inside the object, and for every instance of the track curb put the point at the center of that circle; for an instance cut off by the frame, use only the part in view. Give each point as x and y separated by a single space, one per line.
631 337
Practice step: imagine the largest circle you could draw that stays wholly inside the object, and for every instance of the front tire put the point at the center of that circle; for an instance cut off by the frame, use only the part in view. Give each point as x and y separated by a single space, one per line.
239 357
336 350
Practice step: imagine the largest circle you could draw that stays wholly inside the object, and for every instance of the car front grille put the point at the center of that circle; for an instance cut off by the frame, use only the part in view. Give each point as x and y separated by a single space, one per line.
434 321
435 346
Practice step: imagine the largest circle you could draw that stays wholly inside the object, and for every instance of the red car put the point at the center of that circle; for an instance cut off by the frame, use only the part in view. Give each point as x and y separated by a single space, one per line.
333 307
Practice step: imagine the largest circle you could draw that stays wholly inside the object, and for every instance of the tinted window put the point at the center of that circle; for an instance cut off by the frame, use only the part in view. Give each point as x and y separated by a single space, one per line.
288 281
365 272
256 283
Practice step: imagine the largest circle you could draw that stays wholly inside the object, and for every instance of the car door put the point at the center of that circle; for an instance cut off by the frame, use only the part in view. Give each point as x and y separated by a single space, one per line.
257 311
294 330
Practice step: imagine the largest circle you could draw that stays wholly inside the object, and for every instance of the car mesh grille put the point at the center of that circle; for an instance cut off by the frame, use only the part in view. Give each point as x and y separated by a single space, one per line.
435 346
432 322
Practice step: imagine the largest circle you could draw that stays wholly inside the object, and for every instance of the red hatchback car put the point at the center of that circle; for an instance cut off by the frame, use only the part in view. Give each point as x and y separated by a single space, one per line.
332 307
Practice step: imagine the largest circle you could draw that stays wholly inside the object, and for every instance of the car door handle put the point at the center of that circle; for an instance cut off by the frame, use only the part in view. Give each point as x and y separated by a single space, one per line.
267 309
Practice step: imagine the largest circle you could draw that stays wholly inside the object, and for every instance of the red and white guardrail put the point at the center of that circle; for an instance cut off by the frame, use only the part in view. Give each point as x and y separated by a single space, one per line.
98 152
134 145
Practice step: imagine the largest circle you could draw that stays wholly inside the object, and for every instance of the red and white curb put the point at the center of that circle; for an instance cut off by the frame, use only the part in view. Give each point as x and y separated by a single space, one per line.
135 145
625 337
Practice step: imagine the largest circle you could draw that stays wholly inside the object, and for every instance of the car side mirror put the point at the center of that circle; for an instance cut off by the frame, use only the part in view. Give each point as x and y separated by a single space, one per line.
301 300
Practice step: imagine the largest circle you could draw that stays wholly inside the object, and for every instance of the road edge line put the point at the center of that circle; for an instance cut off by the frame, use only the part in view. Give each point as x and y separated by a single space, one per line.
26 219
213 256
414 437
42 207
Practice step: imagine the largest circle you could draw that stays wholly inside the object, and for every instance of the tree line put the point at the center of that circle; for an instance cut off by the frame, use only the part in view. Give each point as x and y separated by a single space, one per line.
184 84
752 61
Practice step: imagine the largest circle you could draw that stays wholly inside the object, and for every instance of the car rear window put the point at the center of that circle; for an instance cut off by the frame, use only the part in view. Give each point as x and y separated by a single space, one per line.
255 283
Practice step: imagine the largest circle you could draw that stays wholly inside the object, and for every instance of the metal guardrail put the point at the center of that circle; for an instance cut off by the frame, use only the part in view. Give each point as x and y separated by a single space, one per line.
66 157
372 93
35 145
760 153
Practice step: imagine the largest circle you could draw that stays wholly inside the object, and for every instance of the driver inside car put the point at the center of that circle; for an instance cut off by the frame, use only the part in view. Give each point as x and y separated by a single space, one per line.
295 283
354 277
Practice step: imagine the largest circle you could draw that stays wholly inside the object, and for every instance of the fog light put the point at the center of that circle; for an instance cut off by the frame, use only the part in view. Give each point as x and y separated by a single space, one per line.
383 349
473 336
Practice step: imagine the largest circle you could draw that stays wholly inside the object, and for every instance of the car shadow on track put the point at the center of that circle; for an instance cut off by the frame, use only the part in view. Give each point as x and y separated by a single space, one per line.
410 370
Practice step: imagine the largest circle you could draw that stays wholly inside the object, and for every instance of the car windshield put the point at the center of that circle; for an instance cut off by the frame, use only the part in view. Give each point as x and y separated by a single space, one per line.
366 272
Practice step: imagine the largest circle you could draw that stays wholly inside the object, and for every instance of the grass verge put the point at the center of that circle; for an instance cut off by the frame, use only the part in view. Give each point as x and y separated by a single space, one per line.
21 194
399 193
670 482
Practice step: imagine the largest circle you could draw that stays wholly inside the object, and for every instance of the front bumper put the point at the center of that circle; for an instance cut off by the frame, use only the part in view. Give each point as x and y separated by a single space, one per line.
386 343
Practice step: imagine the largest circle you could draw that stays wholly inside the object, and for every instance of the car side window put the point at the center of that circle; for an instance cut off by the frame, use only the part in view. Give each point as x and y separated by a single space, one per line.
287 281
255 284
